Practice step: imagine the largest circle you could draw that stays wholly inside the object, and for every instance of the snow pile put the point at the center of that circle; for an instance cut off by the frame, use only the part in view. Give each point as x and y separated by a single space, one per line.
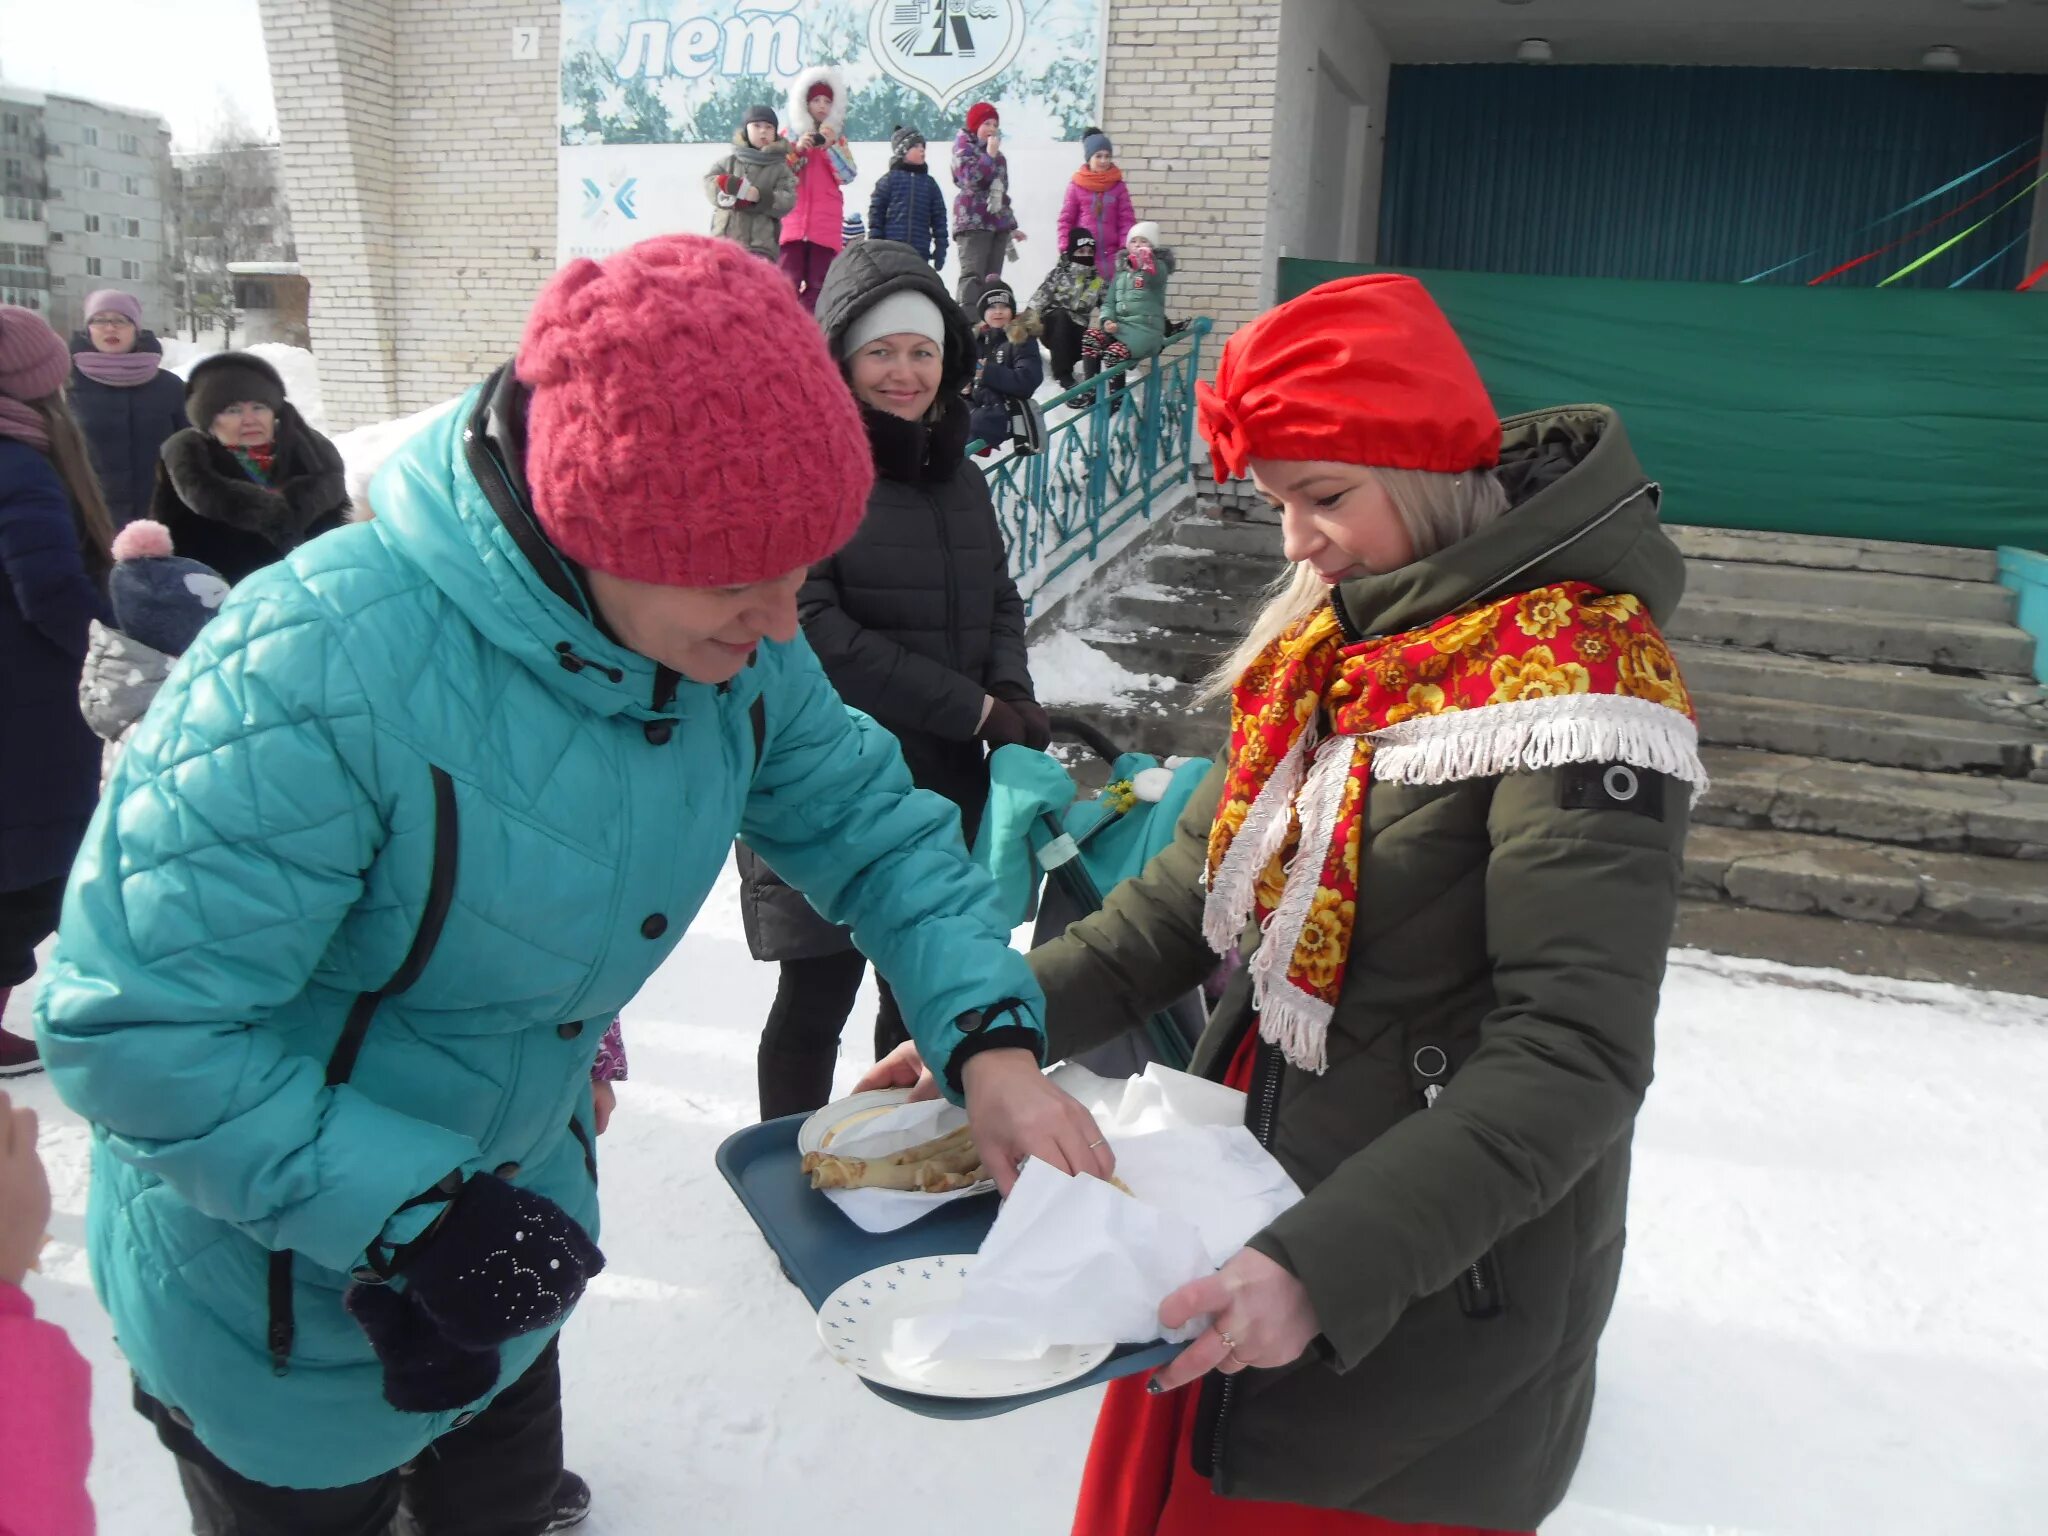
301 373
364 450
1828 1325
1065 669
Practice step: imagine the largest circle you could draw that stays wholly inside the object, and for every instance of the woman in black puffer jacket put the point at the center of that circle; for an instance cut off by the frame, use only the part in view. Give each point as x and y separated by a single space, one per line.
917 622
126 402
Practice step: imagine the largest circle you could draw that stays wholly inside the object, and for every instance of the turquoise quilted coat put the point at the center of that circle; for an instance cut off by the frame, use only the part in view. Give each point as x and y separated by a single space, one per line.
263 855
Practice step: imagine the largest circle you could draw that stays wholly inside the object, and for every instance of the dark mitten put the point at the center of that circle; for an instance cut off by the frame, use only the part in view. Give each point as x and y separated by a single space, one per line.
423 1372
501 1262
1037 724
1004 727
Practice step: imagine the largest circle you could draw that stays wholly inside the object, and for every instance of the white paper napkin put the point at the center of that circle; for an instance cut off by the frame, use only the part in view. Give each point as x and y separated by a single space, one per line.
1073 1260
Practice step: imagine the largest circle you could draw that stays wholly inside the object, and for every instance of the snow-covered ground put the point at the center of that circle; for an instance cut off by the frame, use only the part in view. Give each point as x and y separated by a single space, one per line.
1830 1323
1065 669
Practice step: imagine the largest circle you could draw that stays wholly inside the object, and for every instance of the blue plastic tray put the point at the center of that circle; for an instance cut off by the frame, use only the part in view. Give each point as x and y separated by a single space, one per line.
821 1250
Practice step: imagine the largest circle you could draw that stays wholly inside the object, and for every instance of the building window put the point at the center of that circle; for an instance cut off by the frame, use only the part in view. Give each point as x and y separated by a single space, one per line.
14 170
131 270
92 179
92 137
23 208
92 266
13 123
92 223
130 145
132 185
132 228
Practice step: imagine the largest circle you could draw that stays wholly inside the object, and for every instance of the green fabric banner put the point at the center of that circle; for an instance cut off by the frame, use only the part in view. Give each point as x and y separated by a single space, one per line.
1890 413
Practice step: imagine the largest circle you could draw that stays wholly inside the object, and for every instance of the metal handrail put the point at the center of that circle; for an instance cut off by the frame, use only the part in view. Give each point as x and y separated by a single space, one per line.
1100 468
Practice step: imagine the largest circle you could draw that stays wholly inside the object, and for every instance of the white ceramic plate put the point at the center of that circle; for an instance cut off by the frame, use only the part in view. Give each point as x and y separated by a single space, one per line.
857 1320
848 1115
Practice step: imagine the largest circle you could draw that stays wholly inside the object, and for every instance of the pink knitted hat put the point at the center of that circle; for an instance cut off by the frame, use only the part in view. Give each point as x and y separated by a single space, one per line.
688 427
34 361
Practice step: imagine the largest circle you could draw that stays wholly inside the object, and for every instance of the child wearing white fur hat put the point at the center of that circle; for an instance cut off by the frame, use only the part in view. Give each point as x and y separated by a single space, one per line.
1132 325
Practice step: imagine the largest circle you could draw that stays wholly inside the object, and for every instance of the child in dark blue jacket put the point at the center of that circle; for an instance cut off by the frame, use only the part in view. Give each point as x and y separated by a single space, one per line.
908 206
1009 366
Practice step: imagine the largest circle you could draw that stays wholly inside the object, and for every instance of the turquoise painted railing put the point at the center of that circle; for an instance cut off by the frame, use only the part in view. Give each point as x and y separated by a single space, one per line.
1101 468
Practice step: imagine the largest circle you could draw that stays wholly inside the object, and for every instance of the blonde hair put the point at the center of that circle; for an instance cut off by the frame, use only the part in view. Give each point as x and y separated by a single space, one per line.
1436 511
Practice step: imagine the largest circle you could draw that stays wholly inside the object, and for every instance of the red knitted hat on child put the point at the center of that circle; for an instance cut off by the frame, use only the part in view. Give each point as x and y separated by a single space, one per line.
660 443
1365 370
978 114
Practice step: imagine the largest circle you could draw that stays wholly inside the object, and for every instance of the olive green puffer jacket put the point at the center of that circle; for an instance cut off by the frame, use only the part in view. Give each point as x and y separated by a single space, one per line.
1462 1258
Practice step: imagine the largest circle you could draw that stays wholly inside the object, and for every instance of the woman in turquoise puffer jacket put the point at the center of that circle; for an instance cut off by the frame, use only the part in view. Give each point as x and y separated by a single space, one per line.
416 815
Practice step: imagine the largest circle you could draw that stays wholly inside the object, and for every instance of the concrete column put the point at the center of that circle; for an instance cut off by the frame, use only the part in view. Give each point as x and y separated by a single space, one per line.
332 63
1329 134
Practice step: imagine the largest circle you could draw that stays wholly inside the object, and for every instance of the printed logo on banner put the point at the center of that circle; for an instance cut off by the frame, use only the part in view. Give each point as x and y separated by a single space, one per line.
945 48
618 194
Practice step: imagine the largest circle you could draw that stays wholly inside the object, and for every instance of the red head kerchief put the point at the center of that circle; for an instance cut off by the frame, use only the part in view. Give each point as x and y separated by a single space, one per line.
1365 370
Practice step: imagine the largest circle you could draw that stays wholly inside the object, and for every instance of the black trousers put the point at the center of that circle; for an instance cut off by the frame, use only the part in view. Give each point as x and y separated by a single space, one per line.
495 1476
1063 339
27 917
800 1043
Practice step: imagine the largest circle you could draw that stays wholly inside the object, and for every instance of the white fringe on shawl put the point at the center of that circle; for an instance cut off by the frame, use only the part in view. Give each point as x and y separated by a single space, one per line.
1540 733
1290 1018
1229 906
1431 749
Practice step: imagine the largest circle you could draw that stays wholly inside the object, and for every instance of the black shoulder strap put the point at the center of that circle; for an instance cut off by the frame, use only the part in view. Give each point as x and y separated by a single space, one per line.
757 712
341 1064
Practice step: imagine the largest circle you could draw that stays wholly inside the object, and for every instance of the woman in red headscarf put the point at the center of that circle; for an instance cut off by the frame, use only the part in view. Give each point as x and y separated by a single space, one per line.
1446 835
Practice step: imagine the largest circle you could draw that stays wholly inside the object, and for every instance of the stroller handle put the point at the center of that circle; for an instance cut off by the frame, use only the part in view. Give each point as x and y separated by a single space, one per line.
1087 735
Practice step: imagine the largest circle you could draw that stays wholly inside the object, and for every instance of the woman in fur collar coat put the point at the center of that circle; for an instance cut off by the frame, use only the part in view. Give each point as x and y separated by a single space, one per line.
248 482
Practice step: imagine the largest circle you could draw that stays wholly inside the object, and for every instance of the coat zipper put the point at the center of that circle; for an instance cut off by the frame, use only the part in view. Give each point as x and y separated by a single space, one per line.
952 581
1264 1102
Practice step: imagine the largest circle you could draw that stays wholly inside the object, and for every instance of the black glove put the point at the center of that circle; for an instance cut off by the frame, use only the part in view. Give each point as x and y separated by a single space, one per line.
423 1372
1004 727
498 1262
1037 724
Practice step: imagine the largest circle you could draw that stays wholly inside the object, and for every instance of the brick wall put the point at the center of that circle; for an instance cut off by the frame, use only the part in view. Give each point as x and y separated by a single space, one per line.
1188 97
420 165
474 164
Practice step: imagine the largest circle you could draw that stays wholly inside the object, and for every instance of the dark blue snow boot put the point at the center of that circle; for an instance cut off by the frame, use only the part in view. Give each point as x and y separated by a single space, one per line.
572 1503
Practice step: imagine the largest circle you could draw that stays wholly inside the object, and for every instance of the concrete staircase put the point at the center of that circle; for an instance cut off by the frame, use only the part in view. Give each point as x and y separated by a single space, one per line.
1878 746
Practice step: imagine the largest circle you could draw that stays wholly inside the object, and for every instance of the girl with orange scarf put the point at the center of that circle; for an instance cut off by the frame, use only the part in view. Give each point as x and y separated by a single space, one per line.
1099 200
1446 836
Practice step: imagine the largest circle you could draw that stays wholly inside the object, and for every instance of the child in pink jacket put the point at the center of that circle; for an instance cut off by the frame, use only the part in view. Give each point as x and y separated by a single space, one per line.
814 232
1099 201
45 1385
